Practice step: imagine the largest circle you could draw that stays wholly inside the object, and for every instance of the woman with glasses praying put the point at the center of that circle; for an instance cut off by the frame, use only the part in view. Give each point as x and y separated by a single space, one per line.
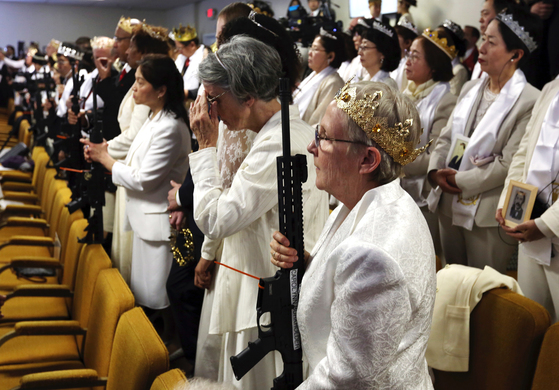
317 90
241 82
490 118
380 53
429 70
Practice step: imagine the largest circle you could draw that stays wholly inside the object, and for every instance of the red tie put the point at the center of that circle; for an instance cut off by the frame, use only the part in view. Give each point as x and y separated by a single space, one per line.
185 67
122 74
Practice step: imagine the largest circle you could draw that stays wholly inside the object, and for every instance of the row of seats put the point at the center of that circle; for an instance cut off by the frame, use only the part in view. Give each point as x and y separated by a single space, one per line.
77 328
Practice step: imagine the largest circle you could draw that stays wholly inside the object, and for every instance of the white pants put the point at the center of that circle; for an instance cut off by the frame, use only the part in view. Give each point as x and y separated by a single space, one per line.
540 282
476 248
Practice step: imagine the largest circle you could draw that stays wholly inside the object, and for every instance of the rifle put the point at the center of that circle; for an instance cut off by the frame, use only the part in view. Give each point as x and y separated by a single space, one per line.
279 294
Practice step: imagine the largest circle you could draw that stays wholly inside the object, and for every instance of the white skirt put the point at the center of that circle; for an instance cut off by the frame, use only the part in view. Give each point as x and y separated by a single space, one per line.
151 264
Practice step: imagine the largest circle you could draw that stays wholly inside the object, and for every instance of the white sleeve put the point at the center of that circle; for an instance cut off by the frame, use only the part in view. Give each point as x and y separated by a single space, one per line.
370 312
220 212
119 145
155 165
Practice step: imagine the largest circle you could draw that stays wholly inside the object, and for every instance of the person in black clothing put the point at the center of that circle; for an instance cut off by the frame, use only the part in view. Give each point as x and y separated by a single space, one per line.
516 210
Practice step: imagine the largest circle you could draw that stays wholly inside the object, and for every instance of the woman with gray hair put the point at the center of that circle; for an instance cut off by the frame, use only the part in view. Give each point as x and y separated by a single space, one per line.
241 82
367 295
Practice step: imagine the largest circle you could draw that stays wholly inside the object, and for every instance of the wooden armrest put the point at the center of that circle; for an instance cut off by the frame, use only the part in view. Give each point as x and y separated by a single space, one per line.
17 186
43 290
23 209
25 222
44 328
16 176
20 196
63 379
28 241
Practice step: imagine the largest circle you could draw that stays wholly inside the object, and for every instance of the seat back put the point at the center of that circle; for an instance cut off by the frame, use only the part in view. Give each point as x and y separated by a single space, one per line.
41 159
138 354
72 253
65 223
93 259
506 332
61 198
111 299
171 380
547 375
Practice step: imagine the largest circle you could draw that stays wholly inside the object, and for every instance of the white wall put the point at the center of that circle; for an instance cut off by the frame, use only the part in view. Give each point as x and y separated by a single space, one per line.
42 22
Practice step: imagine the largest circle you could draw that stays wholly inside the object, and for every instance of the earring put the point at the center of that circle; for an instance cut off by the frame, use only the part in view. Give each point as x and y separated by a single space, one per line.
329 60
382 60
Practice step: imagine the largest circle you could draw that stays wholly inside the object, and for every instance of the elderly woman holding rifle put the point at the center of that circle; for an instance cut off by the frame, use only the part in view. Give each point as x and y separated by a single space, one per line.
368 291
241 88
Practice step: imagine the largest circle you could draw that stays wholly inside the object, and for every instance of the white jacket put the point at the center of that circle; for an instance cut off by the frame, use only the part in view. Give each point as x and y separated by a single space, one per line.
459 289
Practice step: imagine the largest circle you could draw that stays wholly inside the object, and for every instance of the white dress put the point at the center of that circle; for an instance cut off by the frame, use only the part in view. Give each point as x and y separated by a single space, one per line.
245 216
158 154
367 296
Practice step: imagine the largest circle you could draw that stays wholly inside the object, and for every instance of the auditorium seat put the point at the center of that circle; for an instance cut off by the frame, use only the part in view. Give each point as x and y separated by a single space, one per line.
171 380
52 301
40 346
506 332
138 357
547 374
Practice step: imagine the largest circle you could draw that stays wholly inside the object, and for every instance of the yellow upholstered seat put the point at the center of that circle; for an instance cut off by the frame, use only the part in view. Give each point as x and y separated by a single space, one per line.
547 375
31 342
506 332
138 357
171 380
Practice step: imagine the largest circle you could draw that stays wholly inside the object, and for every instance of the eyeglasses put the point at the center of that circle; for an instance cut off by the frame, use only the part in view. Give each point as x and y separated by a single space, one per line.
413 58
318 138
364 48
118 39
315 49
210 100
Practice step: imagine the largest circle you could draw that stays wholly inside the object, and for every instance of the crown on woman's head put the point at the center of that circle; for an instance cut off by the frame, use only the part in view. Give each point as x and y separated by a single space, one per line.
324 33
441 43
382 28
404 22
454 27
155 32
518 30
70 52
183 34
391 139
127 24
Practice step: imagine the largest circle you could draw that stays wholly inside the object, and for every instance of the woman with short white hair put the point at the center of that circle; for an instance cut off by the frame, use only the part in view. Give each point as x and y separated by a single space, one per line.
367 295
241 82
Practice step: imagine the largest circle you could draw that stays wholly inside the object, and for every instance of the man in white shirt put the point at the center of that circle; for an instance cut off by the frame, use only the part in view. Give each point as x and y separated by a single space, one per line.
191 54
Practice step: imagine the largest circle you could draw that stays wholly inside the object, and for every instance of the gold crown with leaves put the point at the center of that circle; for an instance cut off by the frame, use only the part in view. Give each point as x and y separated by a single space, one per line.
441 43
391 139
183 34
154 31
127 24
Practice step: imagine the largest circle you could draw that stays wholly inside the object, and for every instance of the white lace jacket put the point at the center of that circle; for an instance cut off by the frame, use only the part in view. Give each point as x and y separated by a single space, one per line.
367 296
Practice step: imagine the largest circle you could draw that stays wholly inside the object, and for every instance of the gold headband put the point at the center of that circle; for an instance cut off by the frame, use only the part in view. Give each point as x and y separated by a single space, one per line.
441 43
183 34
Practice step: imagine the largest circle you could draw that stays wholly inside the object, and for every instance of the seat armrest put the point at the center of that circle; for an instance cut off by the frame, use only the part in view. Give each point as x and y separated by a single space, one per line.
20 196
28 241
42 290
25 209
44 328
25 222
63 379
16 176
17 186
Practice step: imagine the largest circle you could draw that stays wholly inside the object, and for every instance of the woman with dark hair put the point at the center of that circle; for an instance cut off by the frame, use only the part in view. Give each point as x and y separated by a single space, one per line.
490 118
461 74
355 69
429 70
403 9
407 32
317 90
380 53
158 154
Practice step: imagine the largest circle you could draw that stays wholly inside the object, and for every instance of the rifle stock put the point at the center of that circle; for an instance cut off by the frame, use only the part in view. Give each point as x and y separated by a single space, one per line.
279 295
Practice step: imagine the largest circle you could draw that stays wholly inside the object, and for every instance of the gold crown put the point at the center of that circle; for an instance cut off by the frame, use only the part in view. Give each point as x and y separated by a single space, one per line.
391 139
154 31
183 34
127 24
441 43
